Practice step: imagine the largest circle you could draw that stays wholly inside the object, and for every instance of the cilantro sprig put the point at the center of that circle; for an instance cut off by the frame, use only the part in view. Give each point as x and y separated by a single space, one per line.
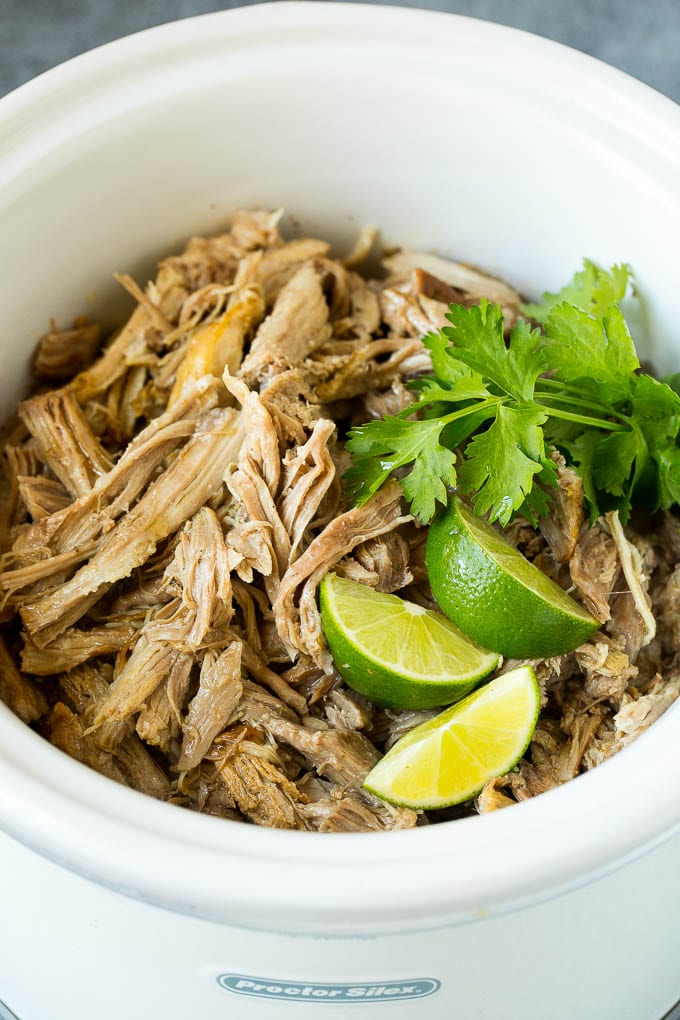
493 410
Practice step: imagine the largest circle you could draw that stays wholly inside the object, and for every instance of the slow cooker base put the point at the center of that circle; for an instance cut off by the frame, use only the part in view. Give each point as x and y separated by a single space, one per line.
604 952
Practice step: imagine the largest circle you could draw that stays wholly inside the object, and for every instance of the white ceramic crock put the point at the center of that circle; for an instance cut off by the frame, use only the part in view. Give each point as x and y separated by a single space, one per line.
474 140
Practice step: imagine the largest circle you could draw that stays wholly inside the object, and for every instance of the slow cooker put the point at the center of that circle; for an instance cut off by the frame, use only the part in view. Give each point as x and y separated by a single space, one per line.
454 135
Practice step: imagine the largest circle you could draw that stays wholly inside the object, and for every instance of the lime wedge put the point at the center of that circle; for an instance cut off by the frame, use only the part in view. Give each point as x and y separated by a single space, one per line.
495 595
395 652
449 758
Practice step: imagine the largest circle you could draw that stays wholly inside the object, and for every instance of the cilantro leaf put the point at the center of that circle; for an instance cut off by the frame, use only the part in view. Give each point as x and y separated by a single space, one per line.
577 347
656 409
593 290
612 461
478 342
450 374
380 447
501 463
426 484
668 463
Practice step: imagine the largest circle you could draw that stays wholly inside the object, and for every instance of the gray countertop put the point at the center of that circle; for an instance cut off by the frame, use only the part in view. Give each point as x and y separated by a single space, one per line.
640 37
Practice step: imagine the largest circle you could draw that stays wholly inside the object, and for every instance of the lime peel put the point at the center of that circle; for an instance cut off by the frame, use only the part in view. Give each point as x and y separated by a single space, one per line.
449 758
495 595
396 653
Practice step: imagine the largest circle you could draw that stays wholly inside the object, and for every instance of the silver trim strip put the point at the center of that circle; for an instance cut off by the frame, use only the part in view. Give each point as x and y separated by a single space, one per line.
673 1013
7 1014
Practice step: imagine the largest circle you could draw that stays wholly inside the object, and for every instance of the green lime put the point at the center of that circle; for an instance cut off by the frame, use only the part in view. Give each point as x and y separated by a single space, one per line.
449 758
495 595
397 653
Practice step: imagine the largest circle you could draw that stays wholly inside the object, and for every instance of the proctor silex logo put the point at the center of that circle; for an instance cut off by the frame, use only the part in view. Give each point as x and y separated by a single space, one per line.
300 991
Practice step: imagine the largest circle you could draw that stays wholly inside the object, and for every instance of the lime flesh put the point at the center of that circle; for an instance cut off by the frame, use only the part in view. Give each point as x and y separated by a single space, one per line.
495 595
395 652
449 758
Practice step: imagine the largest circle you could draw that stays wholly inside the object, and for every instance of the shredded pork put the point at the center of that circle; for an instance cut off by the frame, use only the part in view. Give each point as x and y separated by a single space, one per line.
172 503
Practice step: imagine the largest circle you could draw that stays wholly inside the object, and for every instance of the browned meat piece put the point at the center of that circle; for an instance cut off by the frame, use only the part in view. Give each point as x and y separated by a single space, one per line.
216 346
85 520
257 706
261 441
18 692
351 569
140 770
255 228
149 666
627 626
558 747
42 496
362 247
277 267
297 616
472 282
65 440
178 493
371 366
205 260
364 310
85 687
403 313
668 535
254 484
297 326
278 684
347 710
594 568
149 593
201 790
212 707
667 607
391 401
562 526
308 474
112 365
492 799
344 756
62 353
66 731
74 647
199 576
292 394
388 557
632 619
160 721
346 814
607 668
251 773
639 710
17 461
389 726
524 537
432 287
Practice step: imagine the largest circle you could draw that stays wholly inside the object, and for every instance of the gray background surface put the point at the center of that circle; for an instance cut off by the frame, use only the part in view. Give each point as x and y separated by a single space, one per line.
639 36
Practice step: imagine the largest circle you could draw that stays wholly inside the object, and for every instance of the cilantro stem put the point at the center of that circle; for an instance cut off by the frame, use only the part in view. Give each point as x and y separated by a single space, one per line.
481 405
582 419
567 398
